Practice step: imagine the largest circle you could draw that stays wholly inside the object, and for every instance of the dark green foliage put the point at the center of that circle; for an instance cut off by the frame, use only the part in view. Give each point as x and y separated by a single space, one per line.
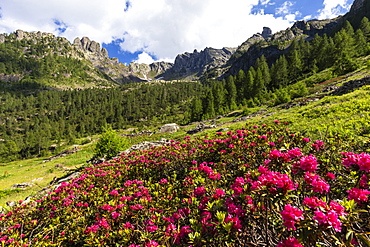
365 27
231 93
110 144
31 124
196 110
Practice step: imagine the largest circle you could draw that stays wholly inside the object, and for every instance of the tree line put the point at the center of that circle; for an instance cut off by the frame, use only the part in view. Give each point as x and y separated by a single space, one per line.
30 124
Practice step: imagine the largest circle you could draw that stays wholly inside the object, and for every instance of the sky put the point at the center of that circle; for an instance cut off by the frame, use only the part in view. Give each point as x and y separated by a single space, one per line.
145 31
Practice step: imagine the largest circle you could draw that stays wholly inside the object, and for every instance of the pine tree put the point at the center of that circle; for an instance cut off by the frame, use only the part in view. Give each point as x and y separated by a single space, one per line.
259 84
249 82
279 73
231 93
209 105
219 94
239 82
261 64
362 48
295 65
365 27
196 110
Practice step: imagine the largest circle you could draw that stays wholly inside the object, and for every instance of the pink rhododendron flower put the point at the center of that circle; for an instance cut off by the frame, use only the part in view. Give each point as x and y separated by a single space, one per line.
330 175
295 153
151 243
306 139
361 160
308 163
200 191
359 195
275 154
271 180
103 223
290 216
235 221
163 181
151 228
314 202
115 215
364 181
128 225
219 193
364 162
318 145
239 181
93 228
290 242
136 207
339 209
114 193
309 177
320 186
328 219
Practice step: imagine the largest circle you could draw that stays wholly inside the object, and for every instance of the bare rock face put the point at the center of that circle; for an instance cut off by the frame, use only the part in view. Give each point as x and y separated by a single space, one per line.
160 67
19 34
91 48
266 33
313 27
2 38
193 65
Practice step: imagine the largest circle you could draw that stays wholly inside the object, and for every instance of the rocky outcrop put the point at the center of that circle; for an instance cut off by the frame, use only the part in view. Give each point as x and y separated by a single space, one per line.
313 27
160 67
10 78
190 66
266 33
147 145
91 47
351 86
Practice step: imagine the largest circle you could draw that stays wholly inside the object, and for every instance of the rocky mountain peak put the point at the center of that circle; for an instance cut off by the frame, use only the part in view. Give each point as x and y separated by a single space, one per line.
191 66
88 46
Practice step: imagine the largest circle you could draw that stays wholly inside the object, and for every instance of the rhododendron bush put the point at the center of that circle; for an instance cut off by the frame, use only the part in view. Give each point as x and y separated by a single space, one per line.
261 186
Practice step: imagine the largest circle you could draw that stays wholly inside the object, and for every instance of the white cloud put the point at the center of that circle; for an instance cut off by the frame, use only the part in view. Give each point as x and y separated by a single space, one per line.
163 28
286 11
285 8
265 2
144 58
333 8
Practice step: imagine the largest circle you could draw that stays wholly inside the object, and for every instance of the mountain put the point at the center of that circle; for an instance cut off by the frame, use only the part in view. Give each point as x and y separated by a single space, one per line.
46 60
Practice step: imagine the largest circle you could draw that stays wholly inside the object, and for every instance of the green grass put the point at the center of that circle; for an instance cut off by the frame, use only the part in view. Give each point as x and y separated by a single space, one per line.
37 172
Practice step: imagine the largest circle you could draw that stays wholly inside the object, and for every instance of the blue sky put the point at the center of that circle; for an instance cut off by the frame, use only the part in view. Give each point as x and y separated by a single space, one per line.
150 30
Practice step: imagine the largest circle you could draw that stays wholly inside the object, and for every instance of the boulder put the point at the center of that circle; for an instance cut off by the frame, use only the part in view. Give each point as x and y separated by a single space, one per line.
22 185
169 128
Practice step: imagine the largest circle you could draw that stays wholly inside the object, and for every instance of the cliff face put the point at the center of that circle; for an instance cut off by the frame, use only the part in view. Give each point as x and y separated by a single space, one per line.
190 66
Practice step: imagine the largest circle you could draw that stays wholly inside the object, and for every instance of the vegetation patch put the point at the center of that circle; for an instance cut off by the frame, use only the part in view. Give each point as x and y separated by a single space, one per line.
261 185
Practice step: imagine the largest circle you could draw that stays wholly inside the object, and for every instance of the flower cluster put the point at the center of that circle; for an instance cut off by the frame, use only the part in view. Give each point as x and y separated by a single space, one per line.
215 190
